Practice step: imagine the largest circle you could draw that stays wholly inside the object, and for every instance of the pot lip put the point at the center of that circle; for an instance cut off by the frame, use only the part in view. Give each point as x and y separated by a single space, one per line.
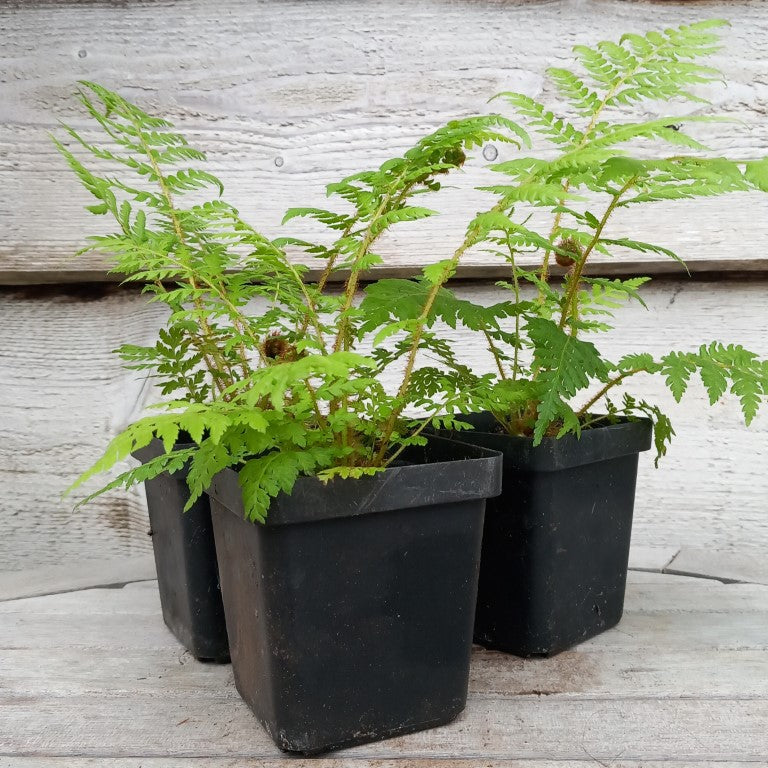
600 443
155 448
472 475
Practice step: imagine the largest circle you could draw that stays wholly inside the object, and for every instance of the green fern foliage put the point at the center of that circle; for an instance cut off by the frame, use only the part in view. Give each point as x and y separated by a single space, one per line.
544 365
265 371
279 390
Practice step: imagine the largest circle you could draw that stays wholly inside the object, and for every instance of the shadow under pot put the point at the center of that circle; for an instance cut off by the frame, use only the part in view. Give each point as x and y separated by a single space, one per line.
350 610
185 559
556 541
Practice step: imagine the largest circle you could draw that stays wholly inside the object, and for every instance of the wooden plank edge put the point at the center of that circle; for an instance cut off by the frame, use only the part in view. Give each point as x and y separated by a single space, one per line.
725 567
651 559
712 269
93 574
352 761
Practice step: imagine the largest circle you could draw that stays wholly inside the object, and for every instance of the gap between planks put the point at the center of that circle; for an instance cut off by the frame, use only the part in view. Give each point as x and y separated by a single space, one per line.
723 567
356 762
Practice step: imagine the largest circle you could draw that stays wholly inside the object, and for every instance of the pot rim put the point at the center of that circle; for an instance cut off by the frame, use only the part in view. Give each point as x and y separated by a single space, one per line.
450 472
599 443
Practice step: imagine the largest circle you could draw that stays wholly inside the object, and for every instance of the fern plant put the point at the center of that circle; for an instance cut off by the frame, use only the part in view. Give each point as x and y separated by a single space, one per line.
544 359
261 369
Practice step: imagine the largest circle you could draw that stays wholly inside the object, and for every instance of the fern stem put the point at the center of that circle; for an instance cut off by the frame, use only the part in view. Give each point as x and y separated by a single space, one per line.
239 321
544 274
369 238
601 394
612 91
315 404
573 285
424 424
214 361
350 287
516 284
418 332
327 271
496 354
312 315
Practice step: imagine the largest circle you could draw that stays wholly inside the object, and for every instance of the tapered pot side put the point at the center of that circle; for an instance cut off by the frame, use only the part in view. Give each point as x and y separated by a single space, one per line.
556 541
185 559
350 612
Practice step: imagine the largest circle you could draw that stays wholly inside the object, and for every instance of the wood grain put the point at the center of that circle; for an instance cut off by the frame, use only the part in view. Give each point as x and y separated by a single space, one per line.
711 491
63 397
346 762
529 728
593 670
739 567
94 678
285 100
83 574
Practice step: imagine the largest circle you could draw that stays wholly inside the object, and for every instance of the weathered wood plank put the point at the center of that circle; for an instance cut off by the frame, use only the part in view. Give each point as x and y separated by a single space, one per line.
58 347
665 697
680 613
89 574
84 574
282 112
694 630
63 399
736 566
138 597
346 762
643 558
527 727
588 672
667 594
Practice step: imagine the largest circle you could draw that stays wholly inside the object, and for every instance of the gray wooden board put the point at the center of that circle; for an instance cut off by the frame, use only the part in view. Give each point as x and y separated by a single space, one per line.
83 574
352 762
735 566
112 683
663 594
527 727
64 396
129 650
645 558
286 97
691 629
591 672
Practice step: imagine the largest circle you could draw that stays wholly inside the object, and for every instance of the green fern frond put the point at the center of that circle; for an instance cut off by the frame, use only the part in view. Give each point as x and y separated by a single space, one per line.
543 121
405 213
168 462
662 426
566 365
348 473
582 99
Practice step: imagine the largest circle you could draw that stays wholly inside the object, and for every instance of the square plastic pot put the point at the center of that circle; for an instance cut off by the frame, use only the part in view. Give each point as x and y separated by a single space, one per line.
185 558
556 541
350 611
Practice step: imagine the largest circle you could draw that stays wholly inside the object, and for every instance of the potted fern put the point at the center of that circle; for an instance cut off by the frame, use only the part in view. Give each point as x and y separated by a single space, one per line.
556 542
185 558
185 349
348 543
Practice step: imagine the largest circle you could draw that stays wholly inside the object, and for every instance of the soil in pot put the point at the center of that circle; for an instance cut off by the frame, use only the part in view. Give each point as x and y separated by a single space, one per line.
350 611
556 541
185 558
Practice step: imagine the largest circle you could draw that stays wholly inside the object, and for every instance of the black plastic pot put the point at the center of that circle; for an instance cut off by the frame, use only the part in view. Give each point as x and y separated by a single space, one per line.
556 542
350 611
185 558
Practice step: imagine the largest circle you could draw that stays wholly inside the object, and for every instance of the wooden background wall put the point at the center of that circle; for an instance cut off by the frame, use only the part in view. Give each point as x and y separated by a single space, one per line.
286 96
